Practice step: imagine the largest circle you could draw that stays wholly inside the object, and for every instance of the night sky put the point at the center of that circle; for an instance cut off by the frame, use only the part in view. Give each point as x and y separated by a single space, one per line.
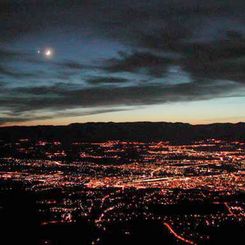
121 60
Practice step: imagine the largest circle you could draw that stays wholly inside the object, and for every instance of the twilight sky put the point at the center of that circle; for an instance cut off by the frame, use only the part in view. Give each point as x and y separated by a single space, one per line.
64 61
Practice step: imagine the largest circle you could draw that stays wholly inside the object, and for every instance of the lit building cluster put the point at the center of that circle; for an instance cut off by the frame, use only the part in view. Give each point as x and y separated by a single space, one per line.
181 187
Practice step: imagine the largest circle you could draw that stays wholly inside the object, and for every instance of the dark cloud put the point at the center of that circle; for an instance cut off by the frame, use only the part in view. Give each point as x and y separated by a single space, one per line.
5 119
72 65
25 118
122 19
204 39
56 89
7 54
8 60
144 62
220 59
223 60
13 73
106 80
2 84
61 97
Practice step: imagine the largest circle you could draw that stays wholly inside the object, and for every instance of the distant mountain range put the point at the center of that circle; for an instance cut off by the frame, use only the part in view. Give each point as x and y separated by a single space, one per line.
135 131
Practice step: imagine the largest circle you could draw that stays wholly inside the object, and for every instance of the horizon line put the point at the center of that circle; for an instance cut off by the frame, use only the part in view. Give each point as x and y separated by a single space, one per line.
121 122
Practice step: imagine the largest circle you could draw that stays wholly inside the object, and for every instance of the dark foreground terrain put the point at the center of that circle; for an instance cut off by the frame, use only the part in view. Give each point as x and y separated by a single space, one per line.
136 131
